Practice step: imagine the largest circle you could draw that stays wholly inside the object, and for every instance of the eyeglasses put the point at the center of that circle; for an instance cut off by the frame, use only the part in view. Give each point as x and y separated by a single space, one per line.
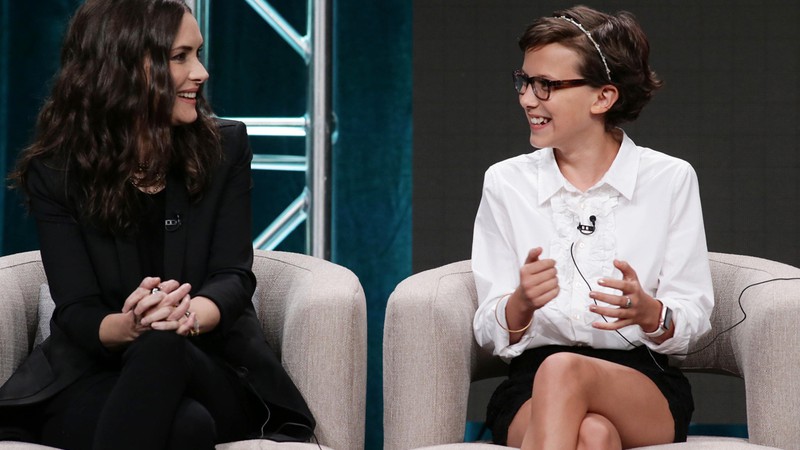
542 86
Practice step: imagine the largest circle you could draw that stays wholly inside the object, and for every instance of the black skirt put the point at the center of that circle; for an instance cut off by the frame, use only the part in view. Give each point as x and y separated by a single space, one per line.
512 393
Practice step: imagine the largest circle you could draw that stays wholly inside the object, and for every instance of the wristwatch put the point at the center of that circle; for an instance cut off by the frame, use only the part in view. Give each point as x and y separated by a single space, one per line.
664 322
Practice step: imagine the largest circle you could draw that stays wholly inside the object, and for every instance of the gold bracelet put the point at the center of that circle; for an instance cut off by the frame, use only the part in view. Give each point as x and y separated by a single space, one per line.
503 326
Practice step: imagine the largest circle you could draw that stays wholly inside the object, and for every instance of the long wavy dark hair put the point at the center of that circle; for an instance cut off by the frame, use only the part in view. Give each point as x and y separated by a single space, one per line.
111 101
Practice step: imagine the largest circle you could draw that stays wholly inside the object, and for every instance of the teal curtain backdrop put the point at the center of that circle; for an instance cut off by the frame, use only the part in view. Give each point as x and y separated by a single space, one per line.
254 74
29 56
372 165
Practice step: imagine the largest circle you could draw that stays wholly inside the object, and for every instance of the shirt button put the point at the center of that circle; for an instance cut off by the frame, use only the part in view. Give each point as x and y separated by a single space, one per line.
581 245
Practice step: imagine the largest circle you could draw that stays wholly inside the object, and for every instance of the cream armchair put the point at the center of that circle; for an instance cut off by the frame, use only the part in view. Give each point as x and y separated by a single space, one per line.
430 355
316 314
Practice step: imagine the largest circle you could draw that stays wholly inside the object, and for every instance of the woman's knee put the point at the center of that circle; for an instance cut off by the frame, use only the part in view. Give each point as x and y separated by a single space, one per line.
157 347
158 337
598 433
193 427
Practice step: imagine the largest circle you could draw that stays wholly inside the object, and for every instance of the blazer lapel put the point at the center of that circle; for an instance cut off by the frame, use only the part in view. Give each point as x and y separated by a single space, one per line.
176 225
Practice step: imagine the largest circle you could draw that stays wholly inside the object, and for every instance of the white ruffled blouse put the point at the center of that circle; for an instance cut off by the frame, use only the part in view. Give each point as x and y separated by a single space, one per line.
647 212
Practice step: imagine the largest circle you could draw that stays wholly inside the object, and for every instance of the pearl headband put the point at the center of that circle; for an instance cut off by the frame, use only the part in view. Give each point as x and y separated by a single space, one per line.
589 35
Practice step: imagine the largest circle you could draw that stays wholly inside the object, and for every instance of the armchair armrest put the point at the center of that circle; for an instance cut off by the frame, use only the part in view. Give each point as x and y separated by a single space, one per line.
429 357
764 345
314 315
21 275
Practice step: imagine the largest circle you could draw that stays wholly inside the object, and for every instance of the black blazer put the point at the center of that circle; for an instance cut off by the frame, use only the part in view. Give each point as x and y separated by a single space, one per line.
91 273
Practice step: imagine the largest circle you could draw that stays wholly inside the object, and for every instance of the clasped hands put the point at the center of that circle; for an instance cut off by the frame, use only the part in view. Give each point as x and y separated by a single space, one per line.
161 305
539 285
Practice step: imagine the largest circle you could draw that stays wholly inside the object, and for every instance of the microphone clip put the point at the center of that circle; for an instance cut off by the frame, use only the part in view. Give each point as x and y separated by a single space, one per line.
586 230
173 224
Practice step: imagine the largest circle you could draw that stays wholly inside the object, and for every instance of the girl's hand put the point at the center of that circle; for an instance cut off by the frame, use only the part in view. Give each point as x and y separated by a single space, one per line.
538 284
633 305
538 281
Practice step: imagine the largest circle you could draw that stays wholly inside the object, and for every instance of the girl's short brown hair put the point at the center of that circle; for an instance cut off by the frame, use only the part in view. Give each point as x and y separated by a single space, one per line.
623 44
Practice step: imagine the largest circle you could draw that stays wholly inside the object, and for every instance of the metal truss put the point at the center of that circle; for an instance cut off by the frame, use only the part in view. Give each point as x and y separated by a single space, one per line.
312 206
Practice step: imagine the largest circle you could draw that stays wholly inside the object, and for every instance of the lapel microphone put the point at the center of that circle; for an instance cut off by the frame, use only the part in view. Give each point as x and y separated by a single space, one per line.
175 223
584 229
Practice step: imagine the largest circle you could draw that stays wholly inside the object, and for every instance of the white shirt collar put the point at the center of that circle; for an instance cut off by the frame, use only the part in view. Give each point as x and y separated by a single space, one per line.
621 175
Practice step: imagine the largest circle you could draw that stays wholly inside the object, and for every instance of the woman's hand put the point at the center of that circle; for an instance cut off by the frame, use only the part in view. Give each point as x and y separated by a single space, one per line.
161 306
635 306
201 316
185 324
169 303
119 329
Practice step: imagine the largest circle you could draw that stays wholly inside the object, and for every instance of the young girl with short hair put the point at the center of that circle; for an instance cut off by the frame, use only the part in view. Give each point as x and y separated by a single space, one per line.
589 254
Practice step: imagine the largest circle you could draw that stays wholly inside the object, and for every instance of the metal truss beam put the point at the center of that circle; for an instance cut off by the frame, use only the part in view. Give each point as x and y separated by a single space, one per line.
312 206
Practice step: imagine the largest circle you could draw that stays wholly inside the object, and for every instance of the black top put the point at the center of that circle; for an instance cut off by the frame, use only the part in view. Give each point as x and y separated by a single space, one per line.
150 242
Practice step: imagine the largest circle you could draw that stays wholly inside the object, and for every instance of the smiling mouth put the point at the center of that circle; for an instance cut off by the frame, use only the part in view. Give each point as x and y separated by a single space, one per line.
188 95
539 120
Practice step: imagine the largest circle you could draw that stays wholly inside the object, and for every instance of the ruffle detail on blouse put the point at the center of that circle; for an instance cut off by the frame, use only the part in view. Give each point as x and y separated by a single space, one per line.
571 207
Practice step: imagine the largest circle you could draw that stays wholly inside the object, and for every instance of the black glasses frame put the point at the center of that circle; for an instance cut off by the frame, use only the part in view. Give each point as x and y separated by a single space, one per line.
522 81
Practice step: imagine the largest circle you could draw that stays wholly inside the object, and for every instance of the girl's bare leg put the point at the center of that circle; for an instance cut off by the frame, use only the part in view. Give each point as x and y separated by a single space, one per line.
583 402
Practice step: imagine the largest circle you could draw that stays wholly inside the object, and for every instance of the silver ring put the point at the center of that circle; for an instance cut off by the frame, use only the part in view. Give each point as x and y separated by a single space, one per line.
629 303
187 314
154 290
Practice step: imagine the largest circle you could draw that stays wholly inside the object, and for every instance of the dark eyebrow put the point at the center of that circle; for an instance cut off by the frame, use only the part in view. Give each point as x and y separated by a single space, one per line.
185 48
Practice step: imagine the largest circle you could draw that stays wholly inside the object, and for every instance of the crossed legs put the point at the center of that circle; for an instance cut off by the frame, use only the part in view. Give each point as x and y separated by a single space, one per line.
580 402
168 394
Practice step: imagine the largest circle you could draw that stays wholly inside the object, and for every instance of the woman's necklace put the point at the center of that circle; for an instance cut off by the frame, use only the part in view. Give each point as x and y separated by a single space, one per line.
137 179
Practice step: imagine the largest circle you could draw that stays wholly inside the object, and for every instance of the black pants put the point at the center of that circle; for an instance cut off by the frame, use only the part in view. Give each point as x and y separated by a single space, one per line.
164 393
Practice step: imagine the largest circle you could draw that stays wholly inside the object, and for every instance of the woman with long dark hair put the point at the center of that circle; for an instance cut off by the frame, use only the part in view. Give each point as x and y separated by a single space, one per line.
142 205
